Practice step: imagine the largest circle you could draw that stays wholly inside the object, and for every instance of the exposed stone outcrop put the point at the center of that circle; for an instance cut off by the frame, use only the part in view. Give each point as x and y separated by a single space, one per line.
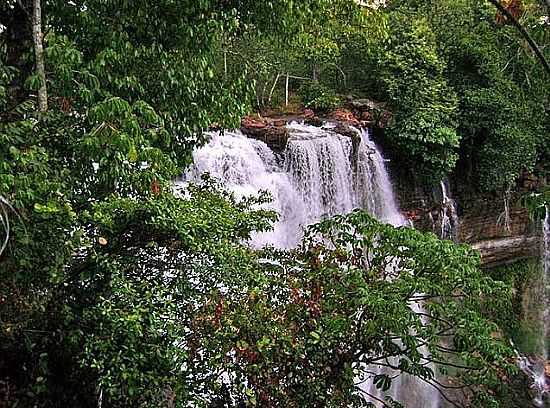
344 115
500 237
484 226
507 250
274 133
368 111
270 131
482 223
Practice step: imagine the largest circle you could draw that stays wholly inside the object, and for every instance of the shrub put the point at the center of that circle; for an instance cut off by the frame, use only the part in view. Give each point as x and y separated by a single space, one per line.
319 97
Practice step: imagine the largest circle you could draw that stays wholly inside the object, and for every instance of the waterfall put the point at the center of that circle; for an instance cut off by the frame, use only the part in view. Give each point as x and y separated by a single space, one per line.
320 173
537 365
406 389
541 369
373 184
448 217
246 167
320 164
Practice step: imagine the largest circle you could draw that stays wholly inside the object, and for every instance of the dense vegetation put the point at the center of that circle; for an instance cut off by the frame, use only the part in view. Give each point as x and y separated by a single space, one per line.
117 290
466 91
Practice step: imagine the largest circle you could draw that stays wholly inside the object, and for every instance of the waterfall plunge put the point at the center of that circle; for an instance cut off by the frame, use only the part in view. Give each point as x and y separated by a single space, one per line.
316 176
541 382
537 367
448 215
321 173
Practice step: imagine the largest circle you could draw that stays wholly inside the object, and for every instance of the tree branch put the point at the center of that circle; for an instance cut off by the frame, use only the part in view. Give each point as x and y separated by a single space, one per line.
524 33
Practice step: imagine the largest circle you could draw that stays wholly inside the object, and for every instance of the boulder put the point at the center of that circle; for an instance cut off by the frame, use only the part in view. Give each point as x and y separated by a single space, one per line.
346 130
367 116
365 104
308 114
375 113
344 115
279 122
314 121
272 133
249 122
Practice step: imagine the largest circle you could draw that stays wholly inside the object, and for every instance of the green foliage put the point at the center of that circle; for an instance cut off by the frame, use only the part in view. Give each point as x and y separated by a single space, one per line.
311 52
520 320
501 88
335 309
537 204
424 105
518 276
188 305
128 102
466 92
503 117
162 260
319 97
116 289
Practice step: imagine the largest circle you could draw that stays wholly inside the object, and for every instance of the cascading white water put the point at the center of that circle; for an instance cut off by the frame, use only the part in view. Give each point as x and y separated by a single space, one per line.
321 173
406 389
316 176
448 218
320 164
542 384
373 184
246 167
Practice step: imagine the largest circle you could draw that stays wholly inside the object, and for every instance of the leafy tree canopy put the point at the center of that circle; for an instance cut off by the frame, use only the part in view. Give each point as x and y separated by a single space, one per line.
117 290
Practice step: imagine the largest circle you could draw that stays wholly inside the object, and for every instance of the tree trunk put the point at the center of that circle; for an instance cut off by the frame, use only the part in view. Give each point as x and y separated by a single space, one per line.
39 55
273 88
263 92
286 90
523 32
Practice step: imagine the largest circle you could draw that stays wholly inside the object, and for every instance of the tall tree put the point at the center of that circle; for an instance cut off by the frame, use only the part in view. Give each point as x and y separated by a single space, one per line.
38 38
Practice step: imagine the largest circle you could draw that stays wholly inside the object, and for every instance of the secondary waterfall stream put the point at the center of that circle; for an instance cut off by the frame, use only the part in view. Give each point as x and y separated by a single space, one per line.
540 371
536 365
448 215
320 173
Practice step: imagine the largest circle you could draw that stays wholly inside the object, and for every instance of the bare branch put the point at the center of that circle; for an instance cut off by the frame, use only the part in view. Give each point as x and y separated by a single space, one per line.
524 33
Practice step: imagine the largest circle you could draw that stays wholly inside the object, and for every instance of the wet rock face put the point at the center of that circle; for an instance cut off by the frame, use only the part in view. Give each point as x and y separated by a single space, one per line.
273 131
500 240
270 131
501 251
501 237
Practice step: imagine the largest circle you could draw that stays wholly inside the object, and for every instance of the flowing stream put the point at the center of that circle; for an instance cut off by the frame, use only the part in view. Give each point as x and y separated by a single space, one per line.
542 368
320 173
448 215
537 365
